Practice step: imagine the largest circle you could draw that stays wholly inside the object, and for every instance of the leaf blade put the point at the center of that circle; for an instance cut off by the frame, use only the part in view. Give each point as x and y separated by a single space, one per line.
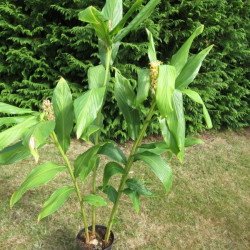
55 201
160 168
37 177
95 200
63 110
87 107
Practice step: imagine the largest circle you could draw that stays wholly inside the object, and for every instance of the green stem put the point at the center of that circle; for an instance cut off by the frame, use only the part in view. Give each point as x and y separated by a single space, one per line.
127 169
54 137
98 121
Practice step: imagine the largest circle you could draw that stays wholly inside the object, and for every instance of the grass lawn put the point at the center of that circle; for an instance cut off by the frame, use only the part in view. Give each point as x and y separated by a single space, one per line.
207 208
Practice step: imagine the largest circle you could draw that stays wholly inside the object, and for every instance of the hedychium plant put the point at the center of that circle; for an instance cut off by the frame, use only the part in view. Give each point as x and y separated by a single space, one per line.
162 84
31 130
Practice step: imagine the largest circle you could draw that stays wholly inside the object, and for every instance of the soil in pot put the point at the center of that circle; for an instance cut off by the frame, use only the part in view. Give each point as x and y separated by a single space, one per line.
96 242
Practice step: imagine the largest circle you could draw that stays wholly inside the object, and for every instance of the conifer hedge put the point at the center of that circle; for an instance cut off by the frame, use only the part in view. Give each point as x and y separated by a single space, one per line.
41 40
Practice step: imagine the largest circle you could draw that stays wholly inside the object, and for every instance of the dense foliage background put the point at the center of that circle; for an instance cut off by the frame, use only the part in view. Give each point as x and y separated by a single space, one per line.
41 40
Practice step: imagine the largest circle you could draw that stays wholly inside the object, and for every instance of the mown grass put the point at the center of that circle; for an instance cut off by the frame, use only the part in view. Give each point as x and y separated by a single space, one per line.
207 208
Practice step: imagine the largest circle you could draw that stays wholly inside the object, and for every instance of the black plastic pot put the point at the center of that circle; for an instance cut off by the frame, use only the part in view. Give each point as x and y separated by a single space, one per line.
101 232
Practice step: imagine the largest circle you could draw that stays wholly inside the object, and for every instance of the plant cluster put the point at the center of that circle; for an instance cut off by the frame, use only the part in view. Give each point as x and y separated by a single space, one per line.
162 86
41 41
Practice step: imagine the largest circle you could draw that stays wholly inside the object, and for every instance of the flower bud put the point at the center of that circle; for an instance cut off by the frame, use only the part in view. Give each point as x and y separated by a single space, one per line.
154 71
47 108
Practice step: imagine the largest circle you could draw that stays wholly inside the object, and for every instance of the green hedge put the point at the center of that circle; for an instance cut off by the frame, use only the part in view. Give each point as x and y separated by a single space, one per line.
41 41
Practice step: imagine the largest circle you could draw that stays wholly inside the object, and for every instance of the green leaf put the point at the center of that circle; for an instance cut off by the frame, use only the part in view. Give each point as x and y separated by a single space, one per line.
87 107
168 137
96 76
180 58
40 131
95 200
103 49
113 11
176 122
165 89
135 198
90 131
55 201
141 17
191 69
111 169
98 21
112 150
126 100
155 147
191 141
122 22
83 164
196 98
138 187
143 85
9 109
93 162
111 192
14 133
160 168
64 114
13 154
151 47
37 177
12 120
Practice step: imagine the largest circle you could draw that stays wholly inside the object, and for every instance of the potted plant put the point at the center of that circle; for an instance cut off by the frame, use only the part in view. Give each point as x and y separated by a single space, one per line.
162 84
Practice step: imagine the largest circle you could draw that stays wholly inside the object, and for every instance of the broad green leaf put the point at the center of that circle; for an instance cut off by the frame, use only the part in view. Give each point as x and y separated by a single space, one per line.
165 89
176 121
126 100
111 169
191 69
111 192
151 47
113 11
196 98
14 133
103 52
124 87
138 187
180 58
141 16
93 162
96 76
64 114
10 109
135 198
89 131
155 147
191 141
112 150
87 107
13 154
143 85
160 168
37 177
40 131
12 120
98 21
81 165
122 22
95 200
55 201
169 139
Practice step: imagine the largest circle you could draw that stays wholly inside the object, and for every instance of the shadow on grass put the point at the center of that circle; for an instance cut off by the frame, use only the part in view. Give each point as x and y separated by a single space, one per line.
63 239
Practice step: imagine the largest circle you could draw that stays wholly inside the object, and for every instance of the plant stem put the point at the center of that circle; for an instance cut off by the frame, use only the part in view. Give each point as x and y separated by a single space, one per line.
98 121
54 137
127 169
